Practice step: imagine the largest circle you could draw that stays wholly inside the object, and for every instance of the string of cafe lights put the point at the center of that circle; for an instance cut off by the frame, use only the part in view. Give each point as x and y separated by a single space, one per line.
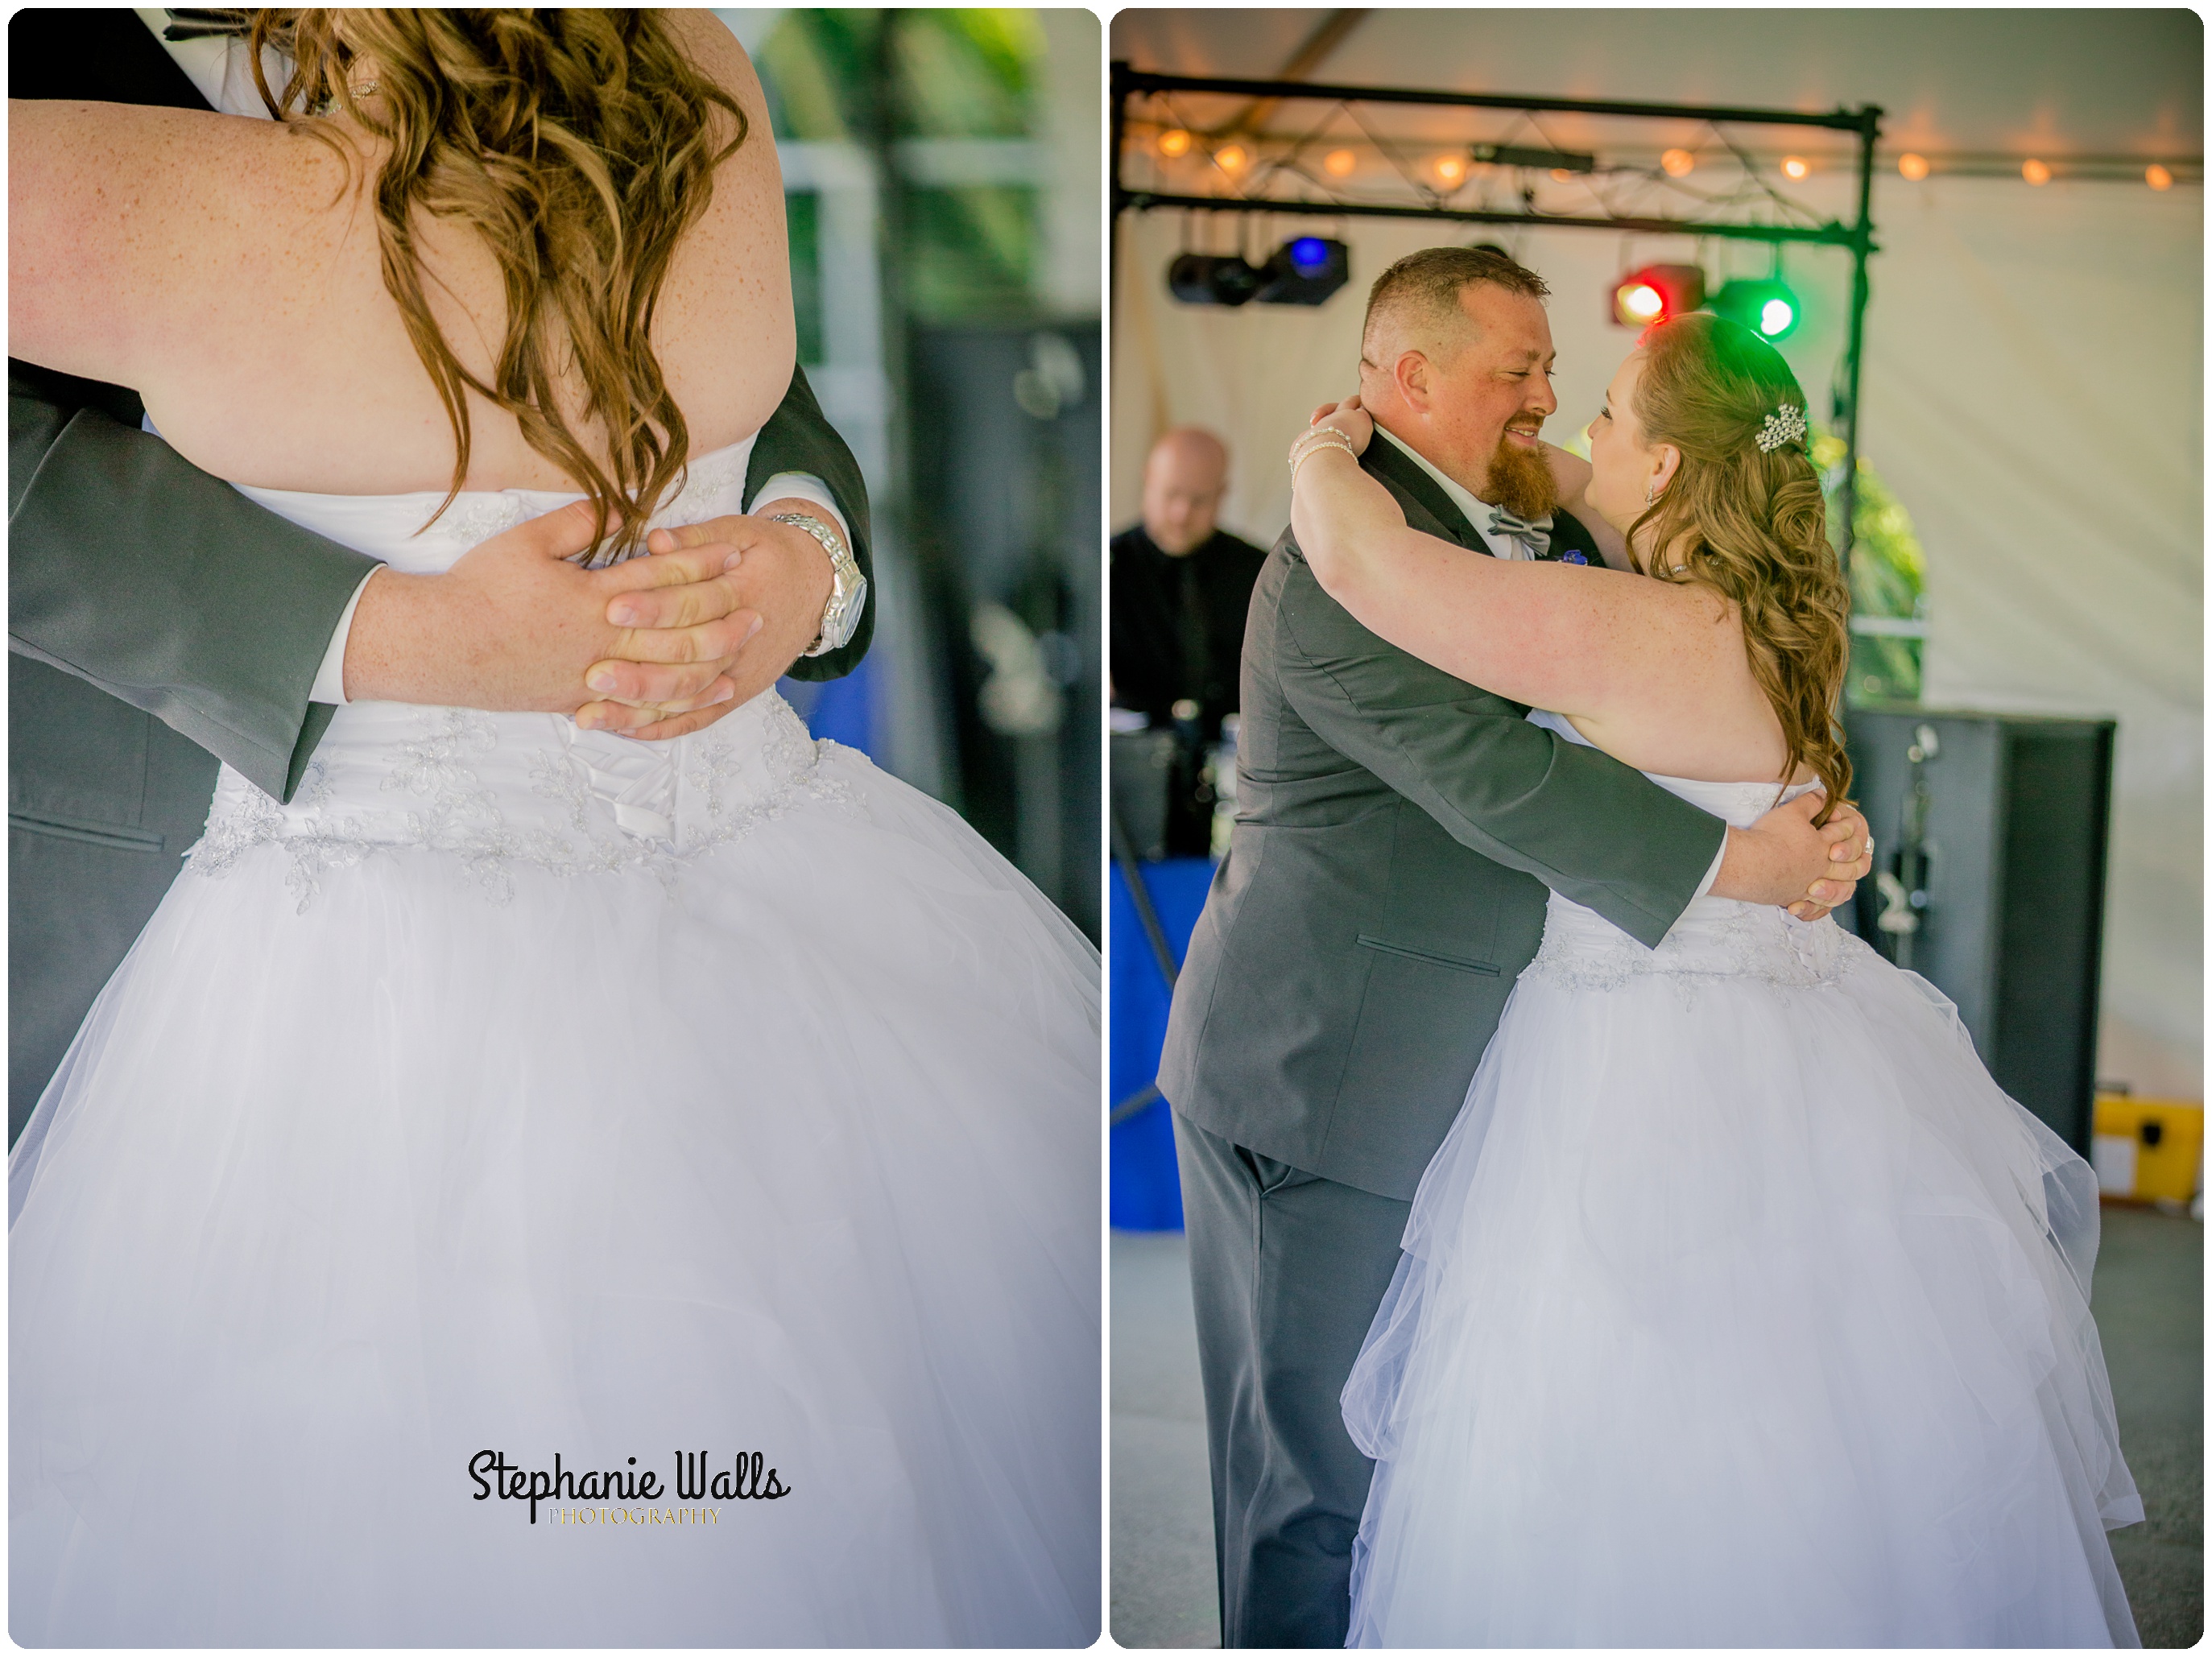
1441 173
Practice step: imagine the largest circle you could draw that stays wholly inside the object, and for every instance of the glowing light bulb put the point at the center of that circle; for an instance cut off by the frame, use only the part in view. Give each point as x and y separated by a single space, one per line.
1677 163
1795 167
1449 169
2157 177
1643 302
1776 315
1175 142
1912 166
1339 163
2034 172
1230 158
1560 175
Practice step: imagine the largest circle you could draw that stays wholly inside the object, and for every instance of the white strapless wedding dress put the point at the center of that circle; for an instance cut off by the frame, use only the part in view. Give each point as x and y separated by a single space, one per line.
540 1092
1740 1307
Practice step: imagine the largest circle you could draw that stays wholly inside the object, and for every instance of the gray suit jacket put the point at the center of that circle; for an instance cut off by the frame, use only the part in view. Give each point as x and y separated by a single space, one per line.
158 622
1396 830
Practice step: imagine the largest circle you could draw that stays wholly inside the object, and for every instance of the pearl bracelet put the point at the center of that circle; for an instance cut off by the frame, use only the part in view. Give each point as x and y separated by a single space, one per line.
1321 437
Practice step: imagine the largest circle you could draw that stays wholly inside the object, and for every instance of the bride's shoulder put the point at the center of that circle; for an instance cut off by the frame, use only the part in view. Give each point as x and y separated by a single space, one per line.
727 321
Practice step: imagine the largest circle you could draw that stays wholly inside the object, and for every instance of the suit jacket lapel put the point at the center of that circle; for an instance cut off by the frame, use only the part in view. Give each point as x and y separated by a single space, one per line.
1415 487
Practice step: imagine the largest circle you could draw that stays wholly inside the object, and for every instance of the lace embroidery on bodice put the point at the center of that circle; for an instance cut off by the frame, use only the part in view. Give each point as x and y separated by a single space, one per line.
502 789
1715 937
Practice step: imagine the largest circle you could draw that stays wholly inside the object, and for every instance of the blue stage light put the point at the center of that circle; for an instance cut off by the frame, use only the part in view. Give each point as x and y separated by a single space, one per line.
1305 271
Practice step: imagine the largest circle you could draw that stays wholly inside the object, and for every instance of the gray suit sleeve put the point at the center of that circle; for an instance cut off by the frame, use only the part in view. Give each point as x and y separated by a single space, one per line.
136 571
1584 824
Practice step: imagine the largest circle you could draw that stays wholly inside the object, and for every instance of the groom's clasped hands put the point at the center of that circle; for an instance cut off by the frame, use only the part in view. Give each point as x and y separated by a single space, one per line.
655 647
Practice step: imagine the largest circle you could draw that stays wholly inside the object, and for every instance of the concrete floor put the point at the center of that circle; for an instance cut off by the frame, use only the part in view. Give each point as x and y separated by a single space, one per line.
2149 1297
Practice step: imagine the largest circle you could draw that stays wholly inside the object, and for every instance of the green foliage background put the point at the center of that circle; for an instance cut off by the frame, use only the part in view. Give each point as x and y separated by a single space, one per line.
1888 579
871 76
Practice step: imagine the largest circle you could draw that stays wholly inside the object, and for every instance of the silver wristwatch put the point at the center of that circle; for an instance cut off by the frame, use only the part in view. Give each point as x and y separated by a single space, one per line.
848 588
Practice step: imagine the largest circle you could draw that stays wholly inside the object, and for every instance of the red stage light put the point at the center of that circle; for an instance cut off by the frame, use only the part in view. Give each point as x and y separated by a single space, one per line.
1657 293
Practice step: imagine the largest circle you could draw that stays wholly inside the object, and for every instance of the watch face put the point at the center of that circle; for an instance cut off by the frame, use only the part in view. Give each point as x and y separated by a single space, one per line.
847 622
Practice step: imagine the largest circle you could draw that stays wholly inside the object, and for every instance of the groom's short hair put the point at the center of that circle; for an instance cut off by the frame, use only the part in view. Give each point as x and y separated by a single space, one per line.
1420 295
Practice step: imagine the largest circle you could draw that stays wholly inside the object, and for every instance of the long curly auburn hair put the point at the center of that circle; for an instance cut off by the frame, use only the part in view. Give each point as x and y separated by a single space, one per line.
1751 524
581 145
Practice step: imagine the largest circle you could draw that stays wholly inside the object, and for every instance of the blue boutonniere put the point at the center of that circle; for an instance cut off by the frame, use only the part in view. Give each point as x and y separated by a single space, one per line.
1573 555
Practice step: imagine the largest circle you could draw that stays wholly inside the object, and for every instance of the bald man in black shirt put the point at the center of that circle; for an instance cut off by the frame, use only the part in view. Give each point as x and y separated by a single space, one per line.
1181 587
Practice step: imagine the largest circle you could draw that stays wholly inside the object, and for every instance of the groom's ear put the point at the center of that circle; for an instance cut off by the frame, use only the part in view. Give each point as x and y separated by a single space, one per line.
1413 376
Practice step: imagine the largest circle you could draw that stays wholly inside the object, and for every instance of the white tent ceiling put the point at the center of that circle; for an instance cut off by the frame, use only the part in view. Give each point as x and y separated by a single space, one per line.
2033 380
2101 82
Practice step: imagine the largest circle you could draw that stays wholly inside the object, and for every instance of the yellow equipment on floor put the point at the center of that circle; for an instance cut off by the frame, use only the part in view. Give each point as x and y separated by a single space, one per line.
2148 1149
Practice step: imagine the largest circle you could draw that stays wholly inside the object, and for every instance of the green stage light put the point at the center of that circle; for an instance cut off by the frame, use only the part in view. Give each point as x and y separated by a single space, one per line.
1769 309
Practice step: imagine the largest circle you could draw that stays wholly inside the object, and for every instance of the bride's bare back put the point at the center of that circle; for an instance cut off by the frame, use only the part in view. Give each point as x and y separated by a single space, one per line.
224 267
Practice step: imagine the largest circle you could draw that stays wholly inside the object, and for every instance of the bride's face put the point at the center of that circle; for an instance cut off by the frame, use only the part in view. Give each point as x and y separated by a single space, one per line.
1624 471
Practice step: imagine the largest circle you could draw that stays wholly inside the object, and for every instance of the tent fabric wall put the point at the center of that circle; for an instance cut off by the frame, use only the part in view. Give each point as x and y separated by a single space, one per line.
2032 396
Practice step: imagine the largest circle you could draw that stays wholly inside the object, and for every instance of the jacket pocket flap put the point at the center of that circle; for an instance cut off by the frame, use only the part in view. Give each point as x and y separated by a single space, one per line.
1457 964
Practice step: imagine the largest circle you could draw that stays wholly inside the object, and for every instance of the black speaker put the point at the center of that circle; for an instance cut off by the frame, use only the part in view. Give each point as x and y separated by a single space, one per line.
1990 832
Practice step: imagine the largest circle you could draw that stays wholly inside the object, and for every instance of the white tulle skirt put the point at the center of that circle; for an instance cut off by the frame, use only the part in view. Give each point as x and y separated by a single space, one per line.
1740 1307
789 1152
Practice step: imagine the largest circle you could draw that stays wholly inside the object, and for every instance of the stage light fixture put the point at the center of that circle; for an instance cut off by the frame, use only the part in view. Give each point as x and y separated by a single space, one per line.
2157 177
1912 166
1768 308
1795 167
1305 271
1450 170
1211 279
1231 158
1677 163
1339 163
1175 142
2035 172
1657 293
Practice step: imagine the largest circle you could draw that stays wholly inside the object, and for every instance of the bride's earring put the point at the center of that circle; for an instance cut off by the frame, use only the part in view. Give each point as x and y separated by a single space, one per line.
1650 491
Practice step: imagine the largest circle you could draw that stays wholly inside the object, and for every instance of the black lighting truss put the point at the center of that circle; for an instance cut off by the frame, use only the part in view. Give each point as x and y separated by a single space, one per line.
1857 239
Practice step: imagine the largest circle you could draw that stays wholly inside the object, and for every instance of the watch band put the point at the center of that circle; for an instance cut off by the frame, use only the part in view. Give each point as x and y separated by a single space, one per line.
846 583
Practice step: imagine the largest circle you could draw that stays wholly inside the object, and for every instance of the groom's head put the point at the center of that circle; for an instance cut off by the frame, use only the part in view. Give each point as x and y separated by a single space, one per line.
1455 361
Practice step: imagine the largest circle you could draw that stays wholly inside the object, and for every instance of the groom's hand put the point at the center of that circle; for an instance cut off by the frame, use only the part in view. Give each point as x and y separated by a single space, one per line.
1783 859
512 626
777 571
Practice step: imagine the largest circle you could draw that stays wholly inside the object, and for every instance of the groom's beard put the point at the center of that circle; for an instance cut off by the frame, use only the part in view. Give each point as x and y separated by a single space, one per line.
1520 481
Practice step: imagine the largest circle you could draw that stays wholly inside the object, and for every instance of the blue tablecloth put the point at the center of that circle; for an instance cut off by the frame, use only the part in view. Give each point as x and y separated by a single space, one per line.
1144 1195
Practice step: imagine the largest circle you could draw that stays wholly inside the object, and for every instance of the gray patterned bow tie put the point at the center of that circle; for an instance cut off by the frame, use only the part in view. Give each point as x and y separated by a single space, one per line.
1537 537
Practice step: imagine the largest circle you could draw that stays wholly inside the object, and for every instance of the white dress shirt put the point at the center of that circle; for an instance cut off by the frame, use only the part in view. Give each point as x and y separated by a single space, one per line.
216 65
1480 512
1477 511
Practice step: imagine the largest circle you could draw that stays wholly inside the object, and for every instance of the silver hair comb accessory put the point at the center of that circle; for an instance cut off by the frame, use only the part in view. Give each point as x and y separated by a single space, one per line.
1785 425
